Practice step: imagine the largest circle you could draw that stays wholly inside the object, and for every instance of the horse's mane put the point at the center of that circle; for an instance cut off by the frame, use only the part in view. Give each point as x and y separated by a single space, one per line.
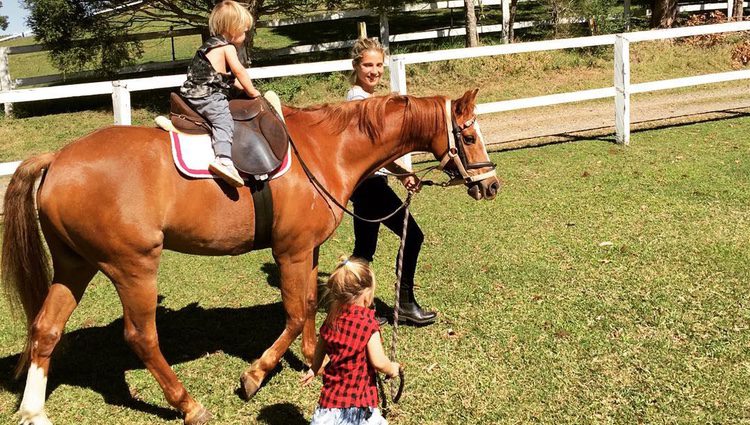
423 116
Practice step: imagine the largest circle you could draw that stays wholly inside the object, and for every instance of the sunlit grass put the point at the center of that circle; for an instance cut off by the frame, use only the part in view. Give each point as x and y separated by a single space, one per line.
604 285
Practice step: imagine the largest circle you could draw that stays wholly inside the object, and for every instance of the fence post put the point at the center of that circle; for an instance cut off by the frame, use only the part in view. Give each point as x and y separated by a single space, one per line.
506 21
121 102
622 90
384 30
398 75
5 82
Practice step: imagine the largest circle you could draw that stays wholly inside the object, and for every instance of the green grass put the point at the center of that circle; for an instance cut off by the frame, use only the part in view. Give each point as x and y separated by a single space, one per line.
539 322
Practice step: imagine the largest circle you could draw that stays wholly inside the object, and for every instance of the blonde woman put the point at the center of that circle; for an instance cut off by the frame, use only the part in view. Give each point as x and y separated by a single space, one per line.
373 198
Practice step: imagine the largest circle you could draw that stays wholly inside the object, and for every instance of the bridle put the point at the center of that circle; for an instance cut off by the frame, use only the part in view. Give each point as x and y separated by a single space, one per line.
456 152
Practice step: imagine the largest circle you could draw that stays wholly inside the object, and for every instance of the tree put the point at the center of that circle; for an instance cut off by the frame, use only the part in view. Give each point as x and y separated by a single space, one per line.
95 33
3 20
737 10
663 13
471 24
512 19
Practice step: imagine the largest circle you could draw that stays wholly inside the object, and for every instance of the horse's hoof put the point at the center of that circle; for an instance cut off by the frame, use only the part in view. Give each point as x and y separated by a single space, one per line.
248 386
40 419
200 418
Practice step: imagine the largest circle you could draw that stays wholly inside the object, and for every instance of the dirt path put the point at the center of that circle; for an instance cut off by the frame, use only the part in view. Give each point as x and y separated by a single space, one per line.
596 118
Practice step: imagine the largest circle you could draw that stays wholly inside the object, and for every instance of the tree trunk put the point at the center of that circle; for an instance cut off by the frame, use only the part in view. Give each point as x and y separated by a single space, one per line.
512 20
737 11
245 56
471 24
664 13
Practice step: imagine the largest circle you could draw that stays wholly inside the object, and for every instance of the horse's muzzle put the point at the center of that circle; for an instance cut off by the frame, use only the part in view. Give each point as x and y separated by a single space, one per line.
485 189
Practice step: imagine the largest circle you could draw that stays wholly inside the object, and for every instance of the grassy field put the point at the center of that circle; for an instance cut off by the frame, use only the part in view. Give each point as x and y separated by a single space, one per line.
604 285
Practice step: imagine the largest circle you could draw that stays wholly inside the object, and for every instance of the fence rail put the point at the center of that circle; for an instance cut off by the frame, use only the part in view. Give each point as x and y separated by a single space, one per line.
620 91
320 47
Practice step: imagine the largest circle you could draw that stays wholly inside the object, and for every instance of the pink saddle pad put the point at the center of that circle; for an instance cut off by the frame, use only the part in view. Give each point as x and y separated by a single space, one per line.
193 152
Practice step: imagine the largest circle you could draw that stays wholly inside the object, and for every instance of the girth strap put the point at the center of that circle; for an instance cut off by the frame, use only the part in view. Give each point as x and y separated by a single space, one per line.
263 205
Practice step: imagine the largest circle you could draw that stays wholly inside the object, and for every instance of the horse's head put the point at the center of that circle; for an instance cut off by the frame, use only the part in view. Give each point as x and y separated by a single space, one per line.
465 157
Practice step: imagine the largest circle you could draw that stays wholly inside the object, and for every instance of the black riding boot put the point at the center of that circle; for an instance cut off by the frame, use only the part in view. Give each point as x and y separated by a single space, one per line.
409 311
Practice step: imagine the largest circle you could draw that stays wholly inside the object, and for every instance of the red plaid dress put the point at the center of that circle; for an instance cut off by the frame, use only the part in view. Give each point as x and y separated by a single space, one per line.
349 379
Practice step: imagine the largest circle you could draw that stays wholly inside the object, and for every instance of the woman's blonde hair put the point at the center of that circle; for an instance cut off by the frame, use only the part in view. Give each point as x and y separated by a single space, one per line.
361 46
351 278
229 17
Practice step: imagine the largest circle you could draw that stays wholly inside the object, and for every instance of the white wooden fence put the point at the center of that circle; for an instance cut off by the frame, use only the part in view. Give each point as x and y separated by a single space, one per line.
385 37
620 91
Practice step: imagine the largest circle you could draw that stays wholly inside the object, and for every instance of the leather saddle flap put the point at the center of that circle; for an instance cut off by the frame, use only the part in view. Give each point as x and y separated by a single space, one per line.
260 143
260 138
184 118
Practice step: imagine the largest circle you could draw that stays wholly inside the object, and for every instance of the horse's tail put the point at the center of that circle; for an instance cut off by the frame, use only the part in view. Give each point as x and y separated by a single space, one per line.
25 266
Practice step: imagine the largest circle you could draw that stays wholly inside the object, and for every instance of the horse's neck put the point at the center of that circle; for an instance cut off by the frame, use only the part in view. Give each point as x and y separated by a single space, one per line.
346 158
359 157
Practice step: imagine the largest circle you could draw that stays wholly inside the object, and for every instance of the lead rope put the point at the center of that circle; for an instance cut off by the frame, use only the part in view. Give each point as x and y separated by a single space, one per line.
397 388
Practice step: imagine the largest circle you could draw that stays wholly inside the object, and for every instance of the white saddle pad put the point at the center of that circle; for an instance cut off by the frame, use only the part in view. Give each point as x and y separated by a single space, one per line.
193 152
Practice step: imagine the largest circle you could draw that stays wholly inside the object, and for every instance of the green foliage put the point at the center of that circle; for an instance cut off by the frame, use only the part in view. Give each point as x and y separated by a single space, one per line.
598 16
602 15
3 20
86 34
78 37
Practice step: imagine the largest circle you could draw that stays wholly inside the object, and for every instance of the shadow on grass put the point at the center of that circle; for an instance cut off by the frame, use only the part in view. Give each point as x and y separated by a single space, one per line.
281 414
273 276
97 357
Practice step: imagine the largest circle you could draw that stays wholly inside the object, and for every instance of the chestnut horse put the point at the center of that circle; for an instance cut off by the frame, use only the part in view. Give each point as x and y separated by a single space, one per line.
113 200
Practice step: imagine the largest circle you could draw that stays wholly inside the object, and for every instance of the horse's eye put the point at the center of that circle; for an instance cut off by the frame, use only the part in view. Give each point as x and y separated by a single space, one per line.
469 140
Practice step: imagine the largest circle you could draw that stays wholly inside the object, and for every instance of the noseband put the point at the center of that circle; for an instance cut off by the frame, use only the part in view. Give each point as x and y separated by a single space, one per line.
457 152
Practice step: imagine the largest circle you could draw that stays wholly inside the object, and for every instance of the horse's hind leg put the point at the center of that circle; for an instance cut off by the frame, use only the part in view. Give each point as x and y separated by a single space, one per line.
135 282
71 277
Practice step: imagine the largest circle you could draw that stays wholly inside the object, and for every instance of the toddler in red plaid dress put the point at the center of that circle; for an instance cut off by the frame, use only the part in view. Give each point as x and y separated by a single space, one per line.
350 336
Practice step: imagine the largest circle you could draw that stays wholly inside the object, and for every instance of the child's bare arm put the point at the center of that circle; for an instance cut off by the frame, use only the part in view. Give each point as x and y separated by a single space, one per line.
378 359
240 72
317 363
319 356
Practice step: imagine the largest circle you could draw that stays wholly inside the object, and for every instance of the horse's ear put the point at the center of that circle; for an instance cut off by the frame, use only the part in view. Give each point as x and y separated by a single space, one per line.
466 102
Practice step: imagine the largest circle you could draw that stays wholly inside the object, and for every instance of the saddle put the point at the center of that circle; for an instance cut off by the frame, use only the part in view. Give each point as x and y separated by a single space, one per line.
260 137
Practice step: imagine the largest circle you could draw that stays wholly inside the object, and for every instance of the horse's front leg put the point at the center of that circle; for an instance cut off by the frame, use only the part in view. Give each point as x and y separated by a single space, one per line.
295 287
308 331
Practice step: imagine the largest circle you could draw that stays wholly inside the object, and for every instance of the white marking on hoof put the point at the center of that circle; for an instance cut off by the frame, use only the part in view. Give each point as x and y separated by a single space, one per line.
32 405
40 419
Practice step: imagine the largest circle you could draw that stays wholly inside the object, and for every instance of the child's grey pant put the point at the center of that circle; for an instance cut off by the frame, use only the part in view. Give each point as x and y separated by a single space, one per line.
215 108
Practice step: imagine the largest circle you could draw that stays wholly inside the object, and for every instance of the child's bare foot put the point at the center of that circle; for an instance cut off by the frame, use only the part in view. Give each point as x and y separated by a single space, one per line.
224 168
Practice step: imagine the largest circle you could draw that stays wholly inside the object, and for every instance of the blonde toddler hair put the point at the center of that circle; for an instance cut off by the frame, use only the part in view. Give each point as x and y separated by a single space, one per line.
351 278
361 46
229 17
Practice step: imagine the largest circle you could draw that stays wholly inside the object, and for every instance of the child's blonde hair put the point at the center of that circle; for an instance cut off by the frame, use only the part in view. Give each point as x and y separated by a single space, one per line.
350 280
229 17
361 46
